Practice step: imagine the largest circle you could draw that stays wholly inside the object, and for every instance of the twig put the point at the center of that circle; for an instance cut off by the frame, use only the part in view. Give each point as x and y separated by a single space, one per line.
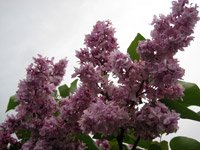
120 139
140 88
136 143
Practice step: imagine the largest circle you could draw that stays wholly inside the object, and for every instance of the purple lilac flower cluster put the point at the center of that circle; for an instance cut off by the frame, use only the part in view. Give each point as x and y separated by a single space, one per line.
115 92
37 110
103 117
170 34
153 119
155 76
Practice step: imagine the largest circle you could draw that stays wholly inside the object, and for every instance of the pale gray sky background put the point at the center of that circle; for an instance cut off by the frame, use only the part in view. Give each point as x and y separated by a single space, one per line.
56 28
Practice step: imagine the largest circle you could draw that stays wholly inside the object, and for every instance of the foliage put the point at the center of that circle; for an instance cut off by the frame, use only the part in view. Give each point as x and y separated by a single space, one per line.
12 103
186 143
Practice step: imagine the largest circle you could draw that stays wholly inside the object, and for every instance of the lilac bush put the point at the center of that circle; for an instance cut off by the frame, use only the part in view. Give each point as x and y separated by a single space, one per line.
117 97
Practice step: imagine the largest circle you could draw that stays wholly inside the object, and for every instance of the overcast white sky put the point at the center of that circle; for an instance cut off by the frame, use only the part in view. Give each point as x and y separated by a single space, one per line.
56 28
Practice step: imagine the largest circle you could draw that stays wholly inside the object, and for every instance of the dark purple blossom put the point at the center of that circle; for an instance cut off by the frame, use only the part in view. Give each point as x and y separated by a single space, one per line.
84 55
35 92
129 73
102 117
99 43
58 72
153 120
171 33
164 78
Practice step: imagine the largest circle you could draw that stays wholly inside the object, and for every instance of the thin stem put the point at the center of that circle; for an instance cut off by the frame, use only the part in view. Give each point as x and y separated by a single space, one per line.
138 93
140 88
136 143
142 93
120 139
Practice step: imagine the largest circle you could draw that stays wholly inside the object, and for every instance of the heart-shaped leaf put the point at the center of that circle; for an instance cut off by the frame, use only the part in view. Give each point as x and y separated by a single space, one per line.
184 143
132 49
64 91
13 102
191 94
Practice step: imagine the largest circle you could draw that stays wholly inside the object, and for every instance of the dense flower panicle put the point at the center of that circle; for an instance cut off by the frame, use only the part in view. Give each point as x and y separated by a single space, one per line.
50 132
42 145
28 145
52 144
58 72
154 77
42 77
166 72
72 109
89 75
103 117
119 94
130 78
164 79
11 123
171 33
56 134
102 37
155 119
129 72
84 55
147 50
35 92
100 42
50 127
35 97
184 16
171 92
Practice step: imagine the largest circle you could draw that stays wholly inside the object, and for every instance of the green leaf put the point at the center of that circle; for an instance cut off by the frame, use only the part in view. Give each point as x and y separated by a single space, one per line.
185 112
113 145
163 145
73 86
13 102
130 139
155 146
24 135
101 136
191 97
13 147
191 94
198 113
64 90
184 143
88 141
133 46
